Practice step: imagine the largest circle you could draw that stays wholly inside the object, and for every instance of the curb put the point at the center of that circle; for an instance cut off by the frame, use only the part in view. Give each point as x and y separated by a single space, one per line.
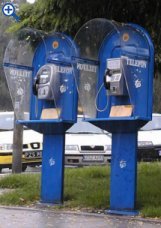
50 209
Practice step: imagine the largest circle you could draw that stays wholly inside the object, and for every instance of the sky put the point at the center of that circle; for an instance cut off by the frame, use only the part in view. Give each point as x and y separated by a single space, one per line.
31 1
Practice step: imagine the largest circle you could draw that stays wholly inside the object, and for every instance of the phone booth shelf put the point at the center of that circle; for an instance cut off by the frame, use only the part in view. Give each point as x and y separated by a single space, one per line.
111 125
40 77
47 126
115 90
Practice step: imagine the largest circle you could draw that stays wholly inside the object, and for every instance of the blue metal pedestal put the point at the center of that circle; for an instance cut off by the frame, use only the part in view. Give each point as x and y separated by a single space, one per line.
123 174
52 179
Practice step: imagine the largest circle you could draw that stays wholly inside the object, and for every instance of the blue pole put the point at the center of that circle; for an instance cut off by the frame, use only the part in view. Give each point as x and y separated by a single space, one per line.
123 174
52 177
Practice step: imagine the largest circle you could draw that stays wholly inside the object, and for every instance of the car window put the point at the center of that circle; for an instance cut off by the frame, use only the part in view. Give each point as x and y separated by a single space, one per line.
155 124
7 121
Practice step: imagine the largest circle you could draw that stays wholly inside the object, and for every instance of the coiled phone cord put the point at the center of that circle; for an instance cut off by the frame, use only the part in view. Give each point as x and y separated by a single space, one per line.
96 98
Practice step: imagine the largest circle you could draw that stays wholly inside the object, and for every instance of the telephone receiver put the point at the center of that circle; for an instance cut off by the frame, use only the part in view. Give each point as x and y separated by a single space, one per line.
107 79
35 86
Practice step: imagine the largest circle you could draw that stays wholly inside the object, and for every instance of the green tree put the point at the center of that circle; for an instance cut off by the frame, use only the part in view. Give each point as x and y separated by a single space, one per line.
68 15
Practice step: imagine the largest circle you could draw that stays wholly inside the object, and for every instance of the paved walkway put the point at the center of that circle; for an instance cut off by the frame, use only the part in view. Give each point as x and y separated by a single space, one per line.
37 218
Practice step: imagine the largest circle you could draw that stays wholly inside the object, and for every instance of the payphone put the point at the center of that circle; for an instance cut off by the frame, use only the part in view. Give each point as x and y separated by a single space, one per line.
114 80
46 83
115 92
40 77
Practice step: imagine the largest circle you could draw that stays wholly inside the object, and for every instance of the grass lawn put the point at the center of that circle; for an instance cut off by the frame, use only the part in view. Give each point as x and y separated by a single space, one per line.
88 188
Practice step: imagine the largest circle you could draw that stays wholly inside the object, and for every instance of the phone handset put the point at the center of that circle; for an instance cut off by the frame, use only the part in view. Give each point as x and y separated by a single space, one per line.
35 85
107 79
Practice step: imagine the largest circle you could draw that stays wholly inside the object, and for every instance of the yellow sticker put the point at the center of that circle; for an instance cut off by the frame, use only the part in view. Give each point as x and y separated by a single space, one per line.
55 44
125 37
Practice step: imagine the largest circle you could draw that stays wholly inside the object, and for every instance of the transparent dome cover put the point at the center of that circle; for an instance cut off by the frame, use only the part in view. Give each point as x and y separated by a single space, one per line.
88 40
25 54
18 68
90 36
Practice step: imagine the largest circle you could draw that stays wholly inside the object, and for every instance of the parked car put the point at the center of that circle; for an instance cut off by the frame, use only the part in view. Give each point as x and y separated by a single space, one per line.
32 144
87 145
83 140
149 140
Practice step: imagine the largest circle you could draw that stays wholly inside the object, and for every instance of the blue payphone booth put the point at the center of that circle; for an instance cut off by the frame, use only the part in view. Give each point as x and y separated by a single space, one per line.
115 68
40 77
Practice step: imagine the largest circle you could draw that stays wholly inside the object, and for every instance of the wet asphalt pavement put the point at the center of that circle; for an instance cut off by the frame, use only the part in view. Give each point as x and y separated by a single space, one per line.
37 218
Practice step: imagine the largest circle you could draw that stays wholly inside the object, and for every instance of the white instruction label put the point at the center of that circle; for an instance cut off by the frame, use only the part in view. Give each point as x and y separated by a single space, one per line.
113 64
